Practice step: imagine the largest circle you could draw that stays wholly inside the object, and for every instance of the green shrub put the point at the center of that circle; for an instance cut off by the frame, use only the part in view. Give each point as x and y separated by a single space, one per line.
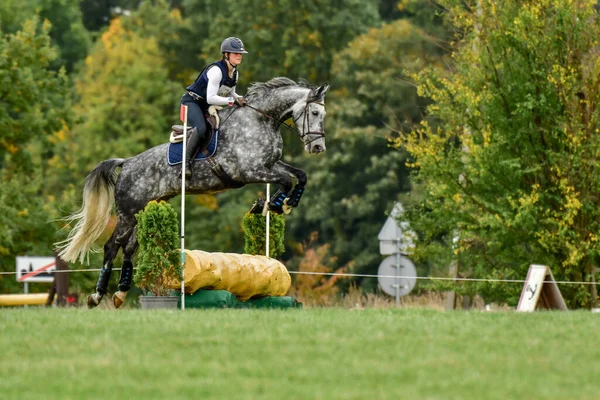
254 226
158 257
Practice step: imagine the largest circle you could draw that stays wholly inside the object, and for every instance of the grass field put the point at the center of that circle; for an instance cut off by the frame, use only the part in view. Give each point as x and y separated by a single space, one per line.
297 354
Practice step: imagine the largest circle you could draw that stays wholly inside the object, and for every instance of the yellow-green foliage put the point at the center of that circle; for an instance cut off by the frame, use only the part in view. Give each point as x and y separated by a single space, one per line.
158 261
309 34
255 227
34 105
127 102
510 165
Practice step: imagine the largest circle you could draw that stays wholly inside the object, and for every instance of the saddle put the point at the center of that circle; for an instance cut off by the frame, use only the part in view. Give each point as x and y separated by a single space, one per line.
212 124
207 149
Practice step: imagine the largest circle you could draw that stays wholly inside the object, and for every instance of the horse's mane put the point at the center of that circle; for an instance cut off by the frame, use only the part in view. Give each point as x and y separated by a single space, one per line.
260 88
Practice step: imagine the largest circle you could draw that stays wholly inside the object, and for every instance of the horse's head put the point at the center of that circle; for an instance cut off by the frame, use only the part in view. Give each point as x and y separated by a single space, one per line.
309 116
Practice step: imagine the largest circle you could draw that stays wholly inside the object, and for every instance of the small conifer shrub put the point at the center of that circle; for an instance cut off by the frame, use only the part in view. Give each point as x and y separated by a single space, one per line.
158 255
254 226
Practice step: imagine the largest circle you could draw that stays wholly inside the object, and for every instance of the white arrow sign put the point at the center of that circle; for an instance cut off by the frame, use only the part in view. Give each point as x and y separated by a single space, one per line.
36 269
394 238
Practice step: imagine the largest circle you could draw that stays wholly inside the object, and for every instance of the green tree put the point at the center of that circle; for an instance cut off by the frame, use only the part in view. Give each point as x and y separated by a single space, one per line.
308 34
97 14
67 31
373 99
127 103
159 21
511 169
34 105
373 84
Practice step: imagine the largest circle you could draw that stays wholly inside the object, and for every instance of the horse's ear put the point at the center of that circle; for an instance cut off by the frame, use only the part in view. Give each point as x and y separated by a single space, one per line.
322 90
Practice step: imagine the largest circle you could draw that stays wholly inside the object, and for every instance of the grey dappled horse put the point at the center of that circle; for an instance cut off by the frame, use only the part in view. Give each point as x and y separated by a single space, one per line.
249 151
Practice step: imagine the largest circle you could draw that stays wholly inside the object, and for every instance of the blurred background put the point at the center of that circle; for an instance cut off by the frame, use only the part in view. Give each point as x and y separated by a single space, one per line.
477 116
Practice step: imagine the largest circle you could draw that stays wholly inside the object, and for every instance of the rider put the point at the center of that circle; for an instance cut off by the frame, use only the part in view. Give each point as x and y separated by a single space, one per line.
214 86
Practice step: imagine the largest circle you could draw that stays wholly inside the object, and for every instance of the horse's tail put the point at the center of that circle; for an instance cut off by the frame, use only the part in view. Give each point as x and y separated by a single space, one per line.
98 200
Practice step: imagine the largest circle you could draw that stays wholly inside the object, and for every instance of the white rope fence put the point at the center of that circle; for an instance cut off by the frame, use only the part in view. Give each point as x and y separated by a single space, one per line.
349 275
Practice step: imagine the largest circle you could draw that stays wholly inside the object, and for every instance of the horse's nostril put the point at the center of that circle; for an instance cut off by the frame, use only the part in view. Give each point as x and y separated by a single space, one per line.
318 148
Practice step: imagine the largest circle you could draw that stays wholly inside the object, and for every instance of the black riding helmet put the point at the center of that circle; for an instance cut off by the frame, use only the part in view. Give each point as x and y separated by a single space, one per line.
233 45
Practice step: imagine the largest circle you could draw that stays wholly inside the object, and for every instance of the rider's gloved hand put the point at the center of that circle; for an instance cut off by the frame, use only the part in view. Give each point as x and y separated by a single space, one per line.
240 101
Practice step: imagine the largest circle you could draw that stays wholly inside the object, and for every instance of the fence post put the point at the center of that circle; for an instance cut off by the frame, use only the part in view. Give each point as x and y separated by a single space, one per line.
61 282
451 295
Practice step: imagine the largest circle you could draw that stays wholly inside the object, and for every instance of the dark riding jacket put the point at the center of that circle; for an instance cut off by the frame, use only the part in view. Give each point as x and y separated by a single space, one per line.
200 84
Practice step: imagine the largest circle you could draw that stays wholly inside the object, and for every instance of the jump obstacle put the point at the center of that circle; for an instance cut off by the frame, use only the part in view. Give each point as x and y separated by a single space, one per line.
235 281
35 299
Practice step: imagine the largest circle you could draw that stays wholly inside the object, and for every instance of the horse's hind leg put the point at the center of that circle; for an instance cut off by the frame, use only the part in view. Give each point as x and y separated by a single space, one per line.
110 252
127 269
120 234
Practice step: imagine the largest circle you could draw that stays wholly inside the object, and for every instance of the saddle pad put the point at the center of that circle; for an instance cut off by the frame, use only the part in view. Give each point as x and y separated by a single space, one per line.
176 149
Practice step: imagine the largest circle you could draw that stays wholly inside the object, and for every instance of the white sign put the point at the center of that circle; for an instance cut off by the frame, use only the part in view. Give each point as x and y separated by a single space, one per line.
36 269
540 289
394 238
397 275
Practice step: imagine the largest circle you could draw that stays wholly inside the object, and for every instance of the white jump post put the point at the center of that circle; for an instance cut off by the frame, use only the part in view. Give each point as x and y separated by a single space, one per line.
268 221
183 112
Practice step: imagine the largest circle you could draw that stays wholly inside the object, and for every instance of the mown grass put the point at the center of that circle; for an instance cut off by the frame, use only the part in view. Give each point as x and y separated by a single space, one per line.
297 354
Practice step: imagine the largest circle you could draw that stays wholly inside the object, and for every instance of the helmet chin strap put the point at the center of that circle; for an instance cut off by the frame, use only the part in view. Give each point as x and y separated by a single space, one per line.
226 57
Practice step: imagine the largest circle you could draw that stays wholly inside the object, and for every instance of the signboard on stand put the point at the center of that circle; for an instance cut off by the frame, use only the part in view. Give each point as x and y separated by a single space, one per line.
540 291
35 269
393 237
397 275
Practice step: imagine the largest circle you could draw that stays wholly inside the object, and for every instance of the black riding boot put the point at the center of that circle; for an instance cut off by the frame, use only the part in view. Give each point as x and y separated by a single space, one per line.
193 145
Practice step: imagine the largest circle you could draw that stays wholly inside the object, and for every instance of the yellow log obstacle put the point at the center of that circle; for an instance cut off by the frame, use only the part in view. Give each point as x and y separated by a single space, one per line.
23 299
244 275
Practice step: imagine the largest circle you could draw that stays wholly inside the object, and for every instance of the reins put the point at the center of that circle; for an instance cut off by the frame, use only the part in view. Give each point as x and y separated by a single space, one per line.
280 123
306 121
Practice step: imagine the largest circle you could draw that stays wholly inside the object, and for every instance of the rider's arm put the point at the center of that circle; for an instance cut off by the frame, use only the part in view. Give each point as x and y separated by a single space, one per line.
214 79
234 94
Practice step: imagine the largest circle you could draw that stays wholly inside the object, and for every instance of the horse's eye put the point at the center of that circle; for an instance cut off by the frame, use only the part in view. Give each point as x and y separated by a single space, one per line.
315 113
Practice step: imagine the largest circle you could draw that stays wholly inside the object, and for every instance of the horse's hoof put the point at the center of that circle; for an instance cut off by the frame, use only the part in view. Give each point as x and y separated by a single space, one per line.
257 207
285 207
94 299
265 208
119 298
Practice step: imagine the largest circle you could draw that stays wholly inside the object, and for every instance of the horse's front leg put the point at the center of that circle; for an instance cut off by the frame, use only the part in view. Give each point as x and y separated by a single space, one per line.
278 174
293 198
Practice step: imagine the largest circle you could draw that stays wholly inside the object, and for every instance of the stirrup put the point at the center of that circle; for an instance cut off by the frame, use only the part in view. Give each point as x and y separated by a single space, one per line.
177 133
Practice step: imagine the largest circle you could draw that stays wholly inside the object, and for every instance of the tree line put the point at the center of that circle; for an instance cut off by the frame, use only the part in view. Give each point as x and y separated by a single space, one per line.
479 116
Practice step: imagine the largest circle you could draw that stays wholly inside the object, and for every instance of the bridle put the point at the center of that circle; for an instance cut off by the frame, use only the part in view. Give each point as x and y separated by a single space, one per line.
305 120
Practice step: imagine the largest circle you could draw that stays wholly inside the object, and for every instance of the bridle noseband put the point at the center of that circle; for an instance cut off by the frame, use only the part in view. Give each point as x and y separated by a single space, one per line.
305 120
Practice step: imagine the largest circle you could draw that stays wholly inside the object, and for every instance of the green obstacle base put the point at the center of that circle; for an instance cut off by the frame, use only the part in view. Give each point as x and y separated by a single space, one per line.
225 299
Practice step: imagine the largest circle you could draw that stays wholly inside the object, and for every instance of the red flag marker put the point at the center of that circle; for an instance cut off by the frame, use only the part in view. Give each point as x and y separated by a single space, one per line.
183 113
